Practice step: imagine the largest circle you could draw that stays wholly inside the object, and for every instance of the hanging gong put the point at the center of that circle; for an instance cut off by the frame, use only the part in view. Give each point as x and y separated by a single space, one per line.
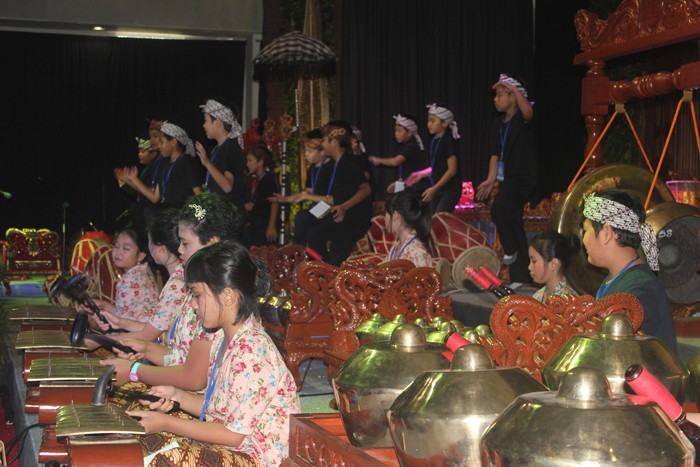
566 216
677 229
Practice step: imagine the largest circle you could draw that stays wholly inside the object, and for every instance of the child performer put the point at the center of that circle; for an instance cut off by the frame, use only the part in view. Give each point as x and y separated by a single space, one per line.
318 176
250 392
136 292
177 181
263 214
410 156
513 163
348 194
613 228
408 218
163 244
357 148
443 172
550 256
226 166
204 220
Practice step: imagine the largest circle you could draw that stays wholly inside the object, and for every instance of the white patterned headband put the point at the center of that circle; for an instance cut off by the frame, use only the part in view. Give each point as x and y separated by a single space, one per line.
617 215
223 113
180 135
358 134
410 125
443 113
504 78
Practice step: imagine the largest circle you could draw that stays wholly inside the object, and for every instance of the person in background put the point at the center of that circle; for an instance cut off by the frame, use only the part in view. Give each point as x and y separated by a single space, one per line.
513 163
226 166
410 154
443 172
262 227
250 394
550 257
613 228
408 218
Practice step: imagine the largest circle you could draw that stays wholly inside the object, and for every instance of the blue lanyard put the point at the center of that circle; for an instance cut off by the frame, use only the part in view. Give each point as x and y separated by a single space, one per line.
212 380
166 179
172 331
603 289
214 153
504 134
314 178
393 250
335 167
433 155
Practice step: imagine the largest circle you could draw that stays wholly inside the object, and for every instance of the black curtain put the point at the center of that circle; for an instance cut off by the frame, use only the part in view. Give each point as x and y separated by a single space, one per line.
399 56
72 106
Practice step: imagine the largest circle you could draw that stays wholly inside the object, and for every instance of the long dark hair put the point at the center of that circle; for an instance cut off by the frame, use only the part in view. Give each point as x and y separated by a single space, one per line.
415 213
229 265
162 229
551 244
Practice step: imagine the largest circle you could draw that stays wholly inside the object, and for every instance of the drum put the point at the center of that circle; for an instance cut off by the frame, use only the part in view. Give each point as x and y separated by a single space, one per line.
443 268
450 236
103 273
380 240
86 246
476 257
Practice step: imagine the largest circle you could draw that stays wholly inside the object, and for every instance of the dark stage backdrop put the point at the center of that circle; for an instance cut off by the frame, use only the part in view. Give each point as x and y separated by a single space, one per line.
400 55
72 106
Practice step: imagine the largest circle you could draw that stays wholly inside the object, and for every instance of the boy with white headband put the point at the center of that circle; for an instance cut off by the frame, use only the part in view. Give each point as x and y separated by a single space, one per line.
410 156
176 180
443 171
613 228
226 166
513 163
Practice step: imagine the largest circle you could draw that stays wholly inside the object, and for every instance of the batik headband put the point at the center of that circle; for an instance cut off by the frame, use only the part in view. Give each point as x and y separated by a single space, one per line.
517 84
338 133
358 134
443 113
410 125
619 216
180 135
223 113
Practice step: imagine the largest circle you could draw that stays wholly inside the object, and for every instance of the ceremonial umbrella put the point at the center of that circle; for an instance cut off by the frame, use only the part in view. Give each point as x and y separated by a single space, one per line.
294 56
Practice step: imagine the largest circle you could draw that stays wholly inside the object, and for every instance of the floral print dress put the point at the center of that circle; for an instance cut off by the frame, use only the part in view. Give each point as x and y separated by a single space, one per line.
254 393
172 300
136 294
562 288
413 250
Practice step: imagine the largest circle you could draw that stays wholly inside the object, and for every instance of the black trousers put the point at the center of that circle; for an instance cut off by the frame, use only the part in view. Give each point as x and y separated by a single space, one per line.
303 222
342 235
507 215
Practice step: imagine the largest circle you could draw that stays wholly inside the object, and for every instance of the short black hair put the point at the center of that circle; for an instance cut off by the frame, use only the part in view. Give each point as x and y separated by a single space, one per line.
550 244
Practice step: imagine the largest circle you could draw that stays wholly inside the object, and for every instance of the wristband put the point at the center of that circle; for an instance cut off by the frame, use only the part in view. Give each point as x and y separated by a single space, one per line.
133 373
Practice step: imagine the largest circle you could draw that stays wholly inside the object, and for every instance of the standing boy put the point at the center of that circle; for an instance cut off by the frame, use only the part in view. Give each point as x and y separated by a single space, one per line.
613 228
512 163
443 172
226 167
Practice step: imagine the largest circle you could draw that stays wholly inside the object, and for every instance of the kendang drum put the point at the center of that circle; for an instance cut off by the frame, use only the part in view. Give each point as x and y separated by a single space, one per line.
103 273
85 247
380 240
450 236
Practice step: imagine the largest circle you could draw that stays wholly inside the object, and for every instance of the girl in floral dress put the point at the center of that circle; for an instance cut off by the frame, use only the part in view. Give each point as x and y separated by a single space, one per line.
206 218
136 292
250 393
408 218
550 255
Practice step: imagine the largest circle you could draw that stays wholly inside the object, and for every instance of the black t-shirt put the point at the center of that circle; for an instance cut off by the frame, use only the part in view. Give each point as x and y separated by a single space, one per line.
641 282
366 166
414 155
227 157
318 178
259 216
440 150
176 181
518 152
346 178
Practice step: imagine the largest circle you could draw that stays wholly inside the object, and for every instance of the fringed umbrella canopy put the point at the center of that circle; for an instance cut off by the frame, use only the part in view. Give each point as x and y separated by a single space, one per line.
294 56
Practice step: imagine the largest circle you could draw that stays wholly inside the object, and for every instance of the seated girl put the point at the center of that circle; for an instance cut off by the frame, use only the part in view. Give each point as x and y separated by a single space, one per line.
408 218
136 293
250 392
550 256
206 218
163 243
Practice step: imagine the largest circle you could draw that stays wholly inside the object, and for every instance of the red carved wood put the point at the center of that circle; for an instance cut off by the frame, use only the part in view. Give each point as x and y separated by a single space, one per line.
527 333
282 263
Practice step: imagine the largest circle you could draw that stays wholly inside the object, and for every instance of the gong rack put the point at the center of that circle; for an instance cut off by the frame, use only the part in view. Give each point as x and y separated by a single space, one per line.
35 339
87 419
42 313
65 369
